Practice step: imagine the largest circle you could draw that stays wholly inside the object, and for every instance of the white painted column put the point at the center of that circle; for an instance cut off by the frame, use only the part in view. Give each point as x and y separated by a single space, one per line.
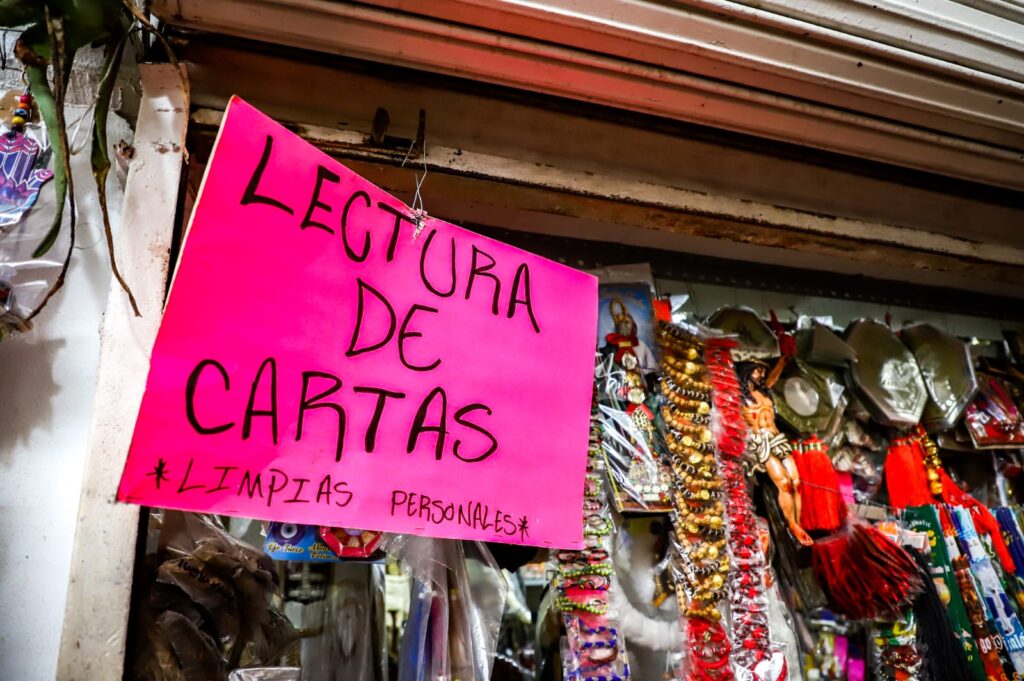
98 592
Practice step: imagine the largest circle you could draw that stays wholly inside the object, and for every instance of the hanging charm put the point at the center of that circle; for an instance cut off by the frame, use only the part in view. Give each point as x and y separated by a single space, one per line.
20 178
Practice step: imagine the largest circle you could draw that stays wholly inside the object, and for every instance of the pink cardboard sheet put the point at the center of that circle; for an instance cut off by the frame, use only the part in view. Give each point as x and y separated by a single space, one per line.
324 359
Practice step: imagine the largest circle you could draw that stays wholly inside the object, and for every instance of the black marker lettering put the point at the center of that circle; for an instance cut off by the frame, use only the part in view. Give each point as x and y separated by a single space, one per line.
423 268
224 475
418 427
324 490
309 403
182 488
522 277
251 411
404 333
370 441
483 271
296 500
339 488
274 489
250 485
190 396
322 175
395 501
460 419
358 257
399 218
250 195
360 310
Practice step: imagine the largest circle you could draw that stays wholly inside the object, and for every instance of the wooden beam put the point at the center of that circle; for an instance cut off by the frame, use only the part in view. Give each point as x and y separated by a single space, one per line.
603 207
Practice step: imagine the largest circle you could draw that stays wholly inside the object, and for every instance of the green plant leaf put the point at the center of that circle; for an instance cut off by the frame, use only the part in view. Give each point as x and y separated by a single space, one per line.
63 60
43 95
99 157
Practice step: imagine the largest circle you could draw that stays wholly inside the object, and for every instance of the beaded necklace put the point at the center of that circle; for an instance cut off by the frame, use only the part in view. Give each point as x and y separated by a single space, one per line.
700 561
583 580
747 587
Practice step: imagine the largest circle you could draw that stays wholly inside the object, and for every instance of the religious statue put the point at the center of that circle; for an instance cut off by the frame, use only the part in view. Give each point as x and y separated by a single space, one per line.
767 449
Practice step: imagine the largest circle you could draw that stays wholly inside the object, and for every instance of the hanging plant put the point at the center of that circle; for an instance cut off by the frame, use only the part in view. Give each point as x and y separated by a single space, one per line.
55 30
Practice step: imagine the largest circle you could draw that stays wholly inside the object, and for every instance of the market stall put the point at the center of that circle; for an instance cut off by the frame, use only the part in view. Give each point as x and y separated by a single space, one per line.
699 495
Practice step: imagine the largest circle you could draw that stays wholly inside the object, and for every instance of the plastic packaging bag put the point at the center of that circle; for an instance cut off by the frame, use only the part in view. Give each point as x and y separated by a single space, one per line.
25 278
594 645
265 674
206 604
632 440
456 610
351 644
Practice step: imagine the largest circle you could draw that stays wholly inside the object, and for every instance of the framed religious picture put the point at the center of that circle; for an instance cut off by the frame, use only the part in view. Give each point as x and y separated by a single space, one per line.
625 323
626 372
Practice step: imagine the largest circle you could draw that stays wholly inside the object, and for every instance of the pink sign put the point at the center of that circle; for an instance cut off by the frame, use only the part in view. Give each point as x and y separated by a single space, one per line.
321 362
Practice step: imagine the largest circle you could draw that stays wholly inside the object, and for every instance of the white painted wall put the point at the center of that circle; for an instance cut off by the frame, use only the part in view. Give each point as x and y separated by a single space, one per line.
47 380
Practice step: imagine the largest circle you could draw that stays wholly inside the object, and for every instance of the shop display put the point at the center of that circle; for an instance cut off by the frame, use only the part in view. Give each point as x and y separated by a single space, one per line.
681 431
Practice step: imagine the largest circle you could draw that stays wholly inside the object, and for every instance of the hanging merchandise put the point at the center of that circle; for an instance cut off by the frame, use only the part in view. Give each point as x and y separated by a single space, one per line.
993 419
350 644
593 646
757 339
1009 523
700 562
768 450
819 345
23 168
926 519
914 476
755 652
206 604
988 641
944 658
897 657
351 543
627 404
456 608
24 156
864 573
886 376
997 606
290 541
822 508
948 373
806 400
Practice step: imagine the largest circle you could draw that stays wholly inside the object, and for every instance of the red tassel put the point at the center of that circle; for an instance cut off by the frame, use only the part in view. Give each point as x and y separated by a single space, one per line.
822 506
905 476
864 573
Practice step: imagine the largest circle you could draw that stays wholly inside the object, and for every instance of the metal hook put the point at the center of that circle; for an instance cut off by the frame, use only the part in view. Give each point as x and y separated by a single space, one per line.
419 212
